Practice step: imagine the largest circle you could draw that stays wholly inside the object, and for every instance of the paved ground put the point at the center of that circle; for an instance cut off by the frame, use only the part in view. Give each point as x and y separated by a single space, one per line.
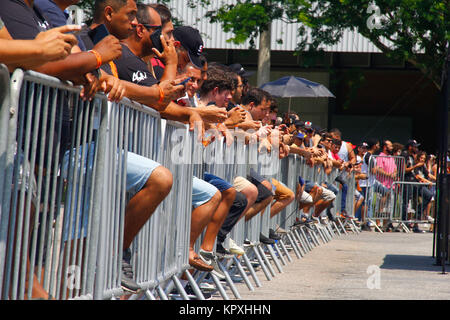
339 270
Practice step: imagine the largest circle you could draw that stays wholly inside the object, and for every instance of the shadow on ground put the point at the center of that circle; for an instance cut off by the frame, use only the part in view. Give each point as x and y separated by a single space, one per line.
411 262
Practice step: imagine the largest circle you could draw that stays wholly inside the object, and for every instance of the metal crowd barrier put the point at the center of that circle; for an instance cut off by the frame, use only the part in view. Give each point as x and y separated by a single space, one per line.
63 195
384 174
412 203
8 115
41 223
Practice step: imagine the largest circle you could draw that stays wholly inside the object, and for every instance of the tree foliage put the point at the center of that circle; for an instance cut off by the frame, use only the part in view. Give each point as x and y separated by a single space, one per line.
416 31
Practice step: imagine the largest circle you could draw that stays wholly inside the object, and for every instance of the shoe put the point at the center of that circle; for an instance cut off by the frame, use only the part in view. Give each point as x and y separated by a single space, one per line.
331 217
223 252
127 283
234 248
211 259
430 219
273 235
205 286
417 230
248 243
188 289
198 264
344 214
265 240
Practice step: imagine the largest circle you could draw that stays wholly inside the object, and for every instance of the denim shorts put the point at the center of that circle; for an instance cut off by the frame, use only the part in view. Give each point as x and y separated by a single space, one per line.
139 169
219 183
202 192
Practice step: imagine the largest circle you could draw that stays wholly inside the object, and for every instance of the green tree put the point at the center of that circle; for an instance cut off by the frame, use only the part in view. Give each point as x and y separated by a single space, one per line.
412 30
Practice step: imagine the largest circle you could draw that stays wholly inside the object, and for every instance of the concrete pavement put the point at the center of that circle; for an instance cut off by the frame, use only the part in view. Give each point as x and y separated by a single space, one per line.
365 266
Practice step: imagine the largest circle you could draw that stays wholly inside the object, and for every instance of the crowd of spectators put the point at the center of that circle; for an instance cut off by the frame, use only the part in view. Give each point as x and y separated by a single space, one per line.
145 58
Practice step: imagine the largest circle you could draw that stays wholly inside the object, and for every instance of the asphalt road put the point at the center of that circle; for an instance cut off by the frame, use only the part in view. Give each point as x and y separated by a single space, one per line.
365 266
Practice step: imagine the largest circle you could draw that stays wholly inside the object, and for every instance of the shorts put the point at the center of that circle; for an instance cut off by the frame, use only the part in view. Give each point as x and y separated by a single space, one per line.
281 191
305 198
219 183
139 169
263 192
328 195
240 183
202 192
358 195
331 187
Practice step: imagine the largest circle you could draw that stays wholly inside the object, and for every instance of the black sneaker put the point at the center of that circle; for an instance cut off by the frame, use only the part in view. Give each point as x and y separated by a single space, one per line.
127 282
223 252
417 230
188 289
265 240
273 235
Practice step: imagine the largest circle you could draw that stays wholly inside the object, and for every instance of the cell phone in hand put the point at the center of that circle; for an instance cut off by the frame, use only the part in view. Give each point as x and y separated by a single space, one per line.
156 40
98 34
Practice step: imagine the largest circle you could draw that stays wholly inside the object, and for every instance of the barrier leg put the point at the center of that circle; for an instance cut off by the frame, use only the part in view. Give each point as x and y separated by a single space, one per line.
266 260
275 258
219 287
342 227
229 281
194 285
180 287
322 236
161 293
294 245
252 271
286 252
337 228
261 263
278 251
149 295
303 242
243 273
300 234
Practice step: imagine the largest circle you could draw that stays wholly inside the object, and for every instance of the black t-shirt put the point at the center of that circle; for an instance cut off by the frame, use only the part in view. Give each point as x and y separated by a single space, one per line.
409 162
22 21
132 68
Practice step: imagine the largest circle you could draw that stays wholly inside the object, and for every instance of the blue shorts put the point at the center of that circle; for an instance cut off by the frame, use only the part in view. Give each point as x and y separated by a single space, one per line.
139 169
202 192
217 182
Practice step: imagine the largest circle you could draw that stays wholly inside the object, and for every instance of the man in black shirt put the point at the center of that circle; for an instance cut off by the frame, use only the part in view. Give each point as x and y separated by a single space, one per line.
410 153
24 20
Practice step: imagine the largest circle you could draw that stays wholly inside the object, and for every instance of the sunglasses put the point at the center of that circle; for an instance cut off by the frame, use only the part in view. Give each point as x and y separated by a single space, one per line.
151 26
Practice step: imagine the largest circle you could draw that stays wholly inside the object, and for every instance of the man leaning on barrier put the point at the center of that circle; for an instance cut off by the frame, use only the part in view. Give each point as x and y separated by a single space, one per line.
24 20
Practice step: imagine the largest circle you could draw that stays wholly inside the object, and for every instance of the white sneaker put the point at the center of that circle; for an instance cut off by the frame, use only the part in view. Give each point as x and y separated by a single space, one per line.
207 286
430 219
234 248
209 258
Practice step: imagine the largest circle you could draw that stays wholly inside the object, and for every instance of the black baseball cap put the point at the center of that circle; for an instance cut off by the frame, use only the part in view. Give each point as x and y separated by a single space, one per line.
239 69
413 143
191 40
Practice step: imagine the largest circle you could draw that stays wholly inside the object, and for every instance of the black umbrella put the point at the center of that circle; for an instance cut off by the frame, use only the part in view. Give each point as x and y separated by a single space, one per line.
290 86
